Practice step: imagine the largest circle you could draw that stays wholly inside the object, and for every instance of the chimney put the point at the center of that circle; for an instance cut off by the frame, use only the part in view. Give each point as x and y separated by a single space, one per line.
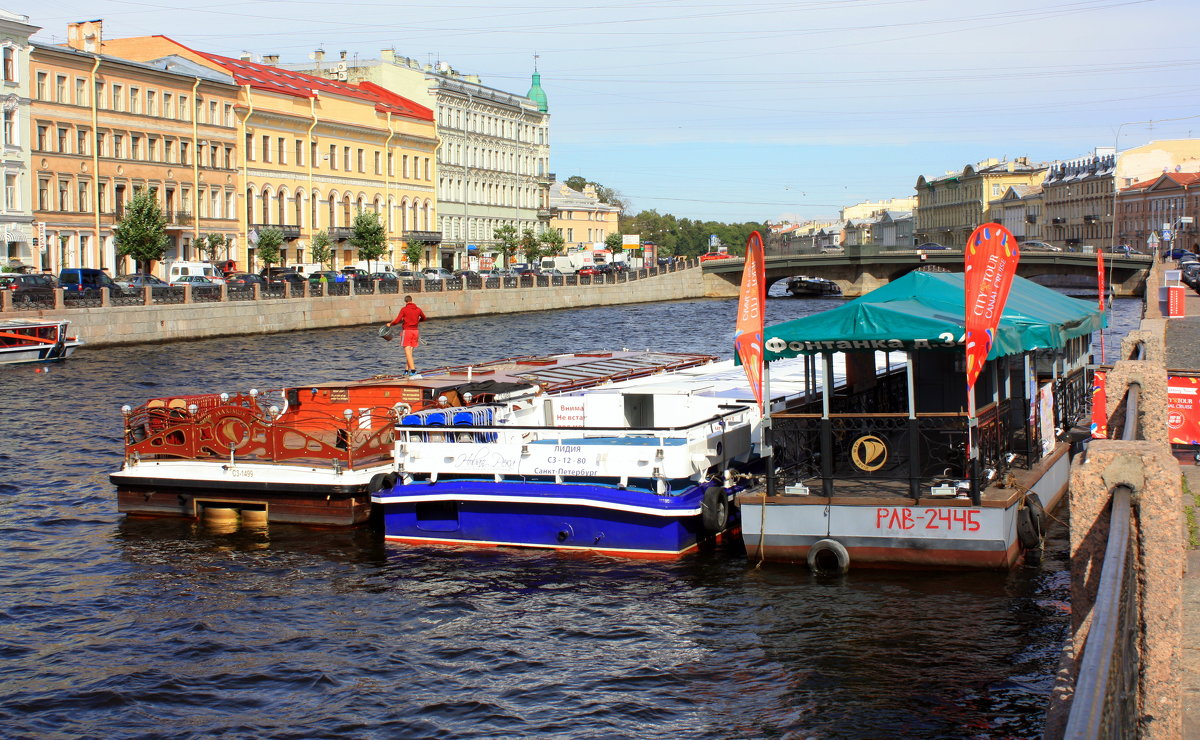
270 59
319 55
388 55
343 55
86 36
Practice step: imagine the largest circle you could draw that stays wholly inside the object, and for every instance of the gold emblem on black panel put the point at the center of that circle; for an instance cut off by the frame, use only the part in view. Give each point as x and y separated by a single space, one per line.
869 453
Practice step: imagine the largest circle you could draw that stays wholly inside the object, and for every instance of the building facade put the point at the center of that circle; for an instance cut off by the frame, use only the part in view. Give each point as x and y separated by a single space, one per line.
893 230
581 218
1169 202
316 151
16 212
103 128
1079 200
1020 211
494 154
951 206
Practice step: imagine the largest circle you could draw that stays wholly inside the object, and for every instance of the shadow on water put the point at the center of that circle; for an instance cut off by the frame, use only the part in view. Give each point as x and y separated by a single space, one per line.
122 627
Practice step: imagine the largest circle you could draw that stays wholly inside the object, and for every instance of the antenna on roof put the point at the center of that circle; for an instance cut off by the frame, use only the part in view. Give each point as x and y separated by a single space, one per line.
536 56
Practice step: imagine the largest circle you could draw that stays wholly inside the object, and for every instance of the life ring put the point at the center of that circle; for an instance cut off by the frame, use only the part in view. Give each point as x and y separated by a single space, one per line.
828 557
714 511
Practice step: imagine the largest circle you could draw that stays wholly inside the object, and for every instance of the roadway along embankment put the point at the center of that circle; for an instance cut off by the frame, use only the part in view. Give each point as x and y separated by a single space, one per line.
112 325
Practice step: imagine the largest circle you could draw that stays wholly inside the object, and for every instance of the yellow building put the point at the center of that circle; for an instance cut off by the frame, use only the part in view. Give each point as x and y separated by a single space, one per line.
951 206
103 128
316 152
581 217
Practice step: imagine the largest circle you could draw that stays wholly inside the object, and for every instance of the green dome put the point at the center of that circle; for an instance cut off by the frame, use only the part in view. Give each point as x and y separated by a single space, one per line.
537 94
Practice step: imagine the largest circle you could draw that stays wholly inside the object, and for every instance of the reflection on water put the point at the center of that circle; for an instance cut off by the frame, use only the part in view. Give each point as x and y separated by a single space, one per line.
122 627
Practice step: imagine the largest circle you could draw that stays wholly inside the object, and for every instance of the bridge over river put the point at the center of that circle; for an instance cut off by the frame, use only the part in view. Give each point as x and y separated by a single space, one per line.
860 273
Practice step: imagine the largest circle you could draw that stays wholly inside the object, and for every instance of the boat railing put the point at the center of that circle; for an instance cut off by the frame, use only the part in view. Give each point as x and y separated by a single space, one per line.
435 426
242 431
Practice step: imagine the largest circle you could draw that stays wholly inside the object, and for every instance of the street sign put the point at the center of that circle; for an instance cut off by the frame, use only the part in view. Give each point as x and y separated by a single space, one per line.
1152 240
1166 235
1185 219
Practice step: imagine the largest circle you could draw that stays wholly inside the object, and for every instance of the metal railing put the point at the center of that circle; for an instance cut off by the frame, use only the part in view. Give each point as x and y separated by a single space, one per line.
1106 691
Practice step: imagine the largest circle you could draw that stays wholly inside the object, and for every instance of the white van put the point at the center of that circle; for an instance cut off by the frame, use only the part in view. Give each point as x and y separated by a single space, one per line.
176 270
562 264
370 266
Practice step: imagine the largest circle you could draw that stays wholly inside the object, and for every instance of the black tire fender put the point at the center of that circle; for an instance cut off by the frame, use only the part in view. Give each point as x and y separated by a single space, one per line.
828 557
1031 520
376 484
714 511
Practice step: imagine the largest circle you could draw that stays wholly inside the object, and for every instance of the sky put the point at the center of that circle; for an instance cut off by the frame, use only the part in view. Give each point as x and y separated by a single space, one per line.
760 109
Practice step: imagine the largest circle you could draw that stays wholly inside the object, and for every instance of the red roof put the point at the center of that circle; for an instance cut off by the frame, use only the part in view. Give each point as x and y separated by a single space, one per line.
300 85
1182 179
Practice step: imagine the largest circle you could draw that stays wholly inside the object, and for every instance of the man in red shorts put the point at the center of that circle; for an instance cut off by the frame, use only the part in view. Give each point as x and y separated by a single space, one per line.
410 316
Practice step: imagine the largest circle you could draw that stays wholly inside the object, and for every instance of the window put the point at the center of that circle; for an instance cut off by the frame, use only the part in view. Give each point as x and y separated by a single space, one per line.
151 103
10 128
185 113
228 114
135 147
43 195
64 195
362 163
249 147
266 148
100 144
102 196
118 146
391 165
42 136
152 149
62 141
312 153
346 158
404 169
282 151
168 150
333 156
299 153
80 91
11 192
378 163
183 152
427 168
118 102
60 89
212 112
98 93
84 202
10 64
168 111
228 157
40 91
135 100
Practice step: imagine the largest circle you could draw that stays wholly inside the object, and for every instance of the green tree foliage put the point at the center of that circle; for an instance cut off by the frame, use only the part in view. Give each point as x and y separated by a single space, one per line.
321 250
614 243
508 241
531 246
605 194
210 245
414 250
368 236
142 231
267 246
551 241
686 237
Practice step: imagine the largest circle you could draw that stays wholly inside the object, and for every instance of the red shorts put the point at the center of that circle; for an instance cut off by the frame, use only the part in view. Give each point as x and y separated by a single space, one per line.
412 337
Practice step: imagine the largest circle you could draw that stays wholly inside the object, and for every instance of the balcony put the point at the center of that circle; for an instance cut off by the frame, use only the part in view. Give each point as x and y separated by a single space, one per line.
425 237
176 219
289 232
340 233
1058 220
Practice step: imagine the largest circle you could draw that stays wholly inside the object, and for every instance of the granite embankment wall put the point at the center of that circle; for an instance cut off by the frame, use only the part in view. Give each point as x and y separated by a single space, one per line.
110 325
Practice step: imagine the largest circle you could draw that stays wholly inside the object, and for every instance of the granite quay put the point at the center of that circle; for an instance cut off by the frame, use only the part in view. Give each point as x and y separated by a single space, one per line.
180 313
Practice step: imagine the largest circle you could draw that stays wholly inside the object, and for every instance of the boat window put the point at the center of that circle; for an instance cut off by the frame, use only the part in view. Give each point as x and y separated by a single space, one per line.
639 410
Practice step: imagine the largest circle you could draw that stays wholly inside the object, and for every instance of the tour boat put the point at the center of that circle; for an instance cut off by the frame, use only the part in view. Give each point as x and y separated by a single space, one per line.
314 453
43 340
645 468
804 286
878 472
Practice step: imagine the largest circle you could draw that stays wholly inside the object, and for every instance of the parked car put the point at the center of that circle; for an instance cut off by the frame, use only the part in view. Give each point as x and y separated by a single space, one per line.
437 273
280 278
199 283
245 279
137 280
1124 249
588 270
464 274
28 287
87 281
315 277
929 246
523 269
1191 274
383 277
1175 254
1037 246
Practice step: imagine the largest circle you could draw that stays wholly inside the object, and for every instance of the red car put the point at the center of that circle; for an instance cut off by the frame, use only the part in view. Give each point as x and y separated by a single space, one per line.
715 256
587 270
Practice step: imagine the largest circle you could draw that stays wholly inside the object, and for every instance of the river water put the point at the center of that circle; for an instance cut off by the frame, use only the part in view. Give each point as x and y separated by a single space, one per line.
128 628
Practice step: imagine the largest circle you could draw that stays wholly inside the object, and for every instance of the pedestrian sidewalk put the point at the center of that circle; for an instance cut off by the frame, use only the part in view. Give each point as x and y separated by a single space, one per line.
1189 658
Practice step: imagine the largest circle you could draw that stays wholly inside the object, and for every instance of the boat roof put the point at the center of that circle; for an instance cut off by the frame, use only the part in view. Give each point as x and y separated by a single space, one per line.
922 309
556 373
27 323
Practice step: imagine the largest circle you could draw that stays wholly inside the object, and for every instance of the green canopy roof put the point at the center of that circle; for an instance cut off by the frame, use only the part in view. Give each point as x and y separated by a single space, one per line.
925 310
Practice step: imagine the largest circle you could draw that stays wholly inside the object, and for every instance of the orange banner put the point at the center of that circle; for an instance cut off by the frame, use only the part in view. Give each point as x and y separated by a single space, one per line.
1100 405
990 264
752 304
1183 409
1100 275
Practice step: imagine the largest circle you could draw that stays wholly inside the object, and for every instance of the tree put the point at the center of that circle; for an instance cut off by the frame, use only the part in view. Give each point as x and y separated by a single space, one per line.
268 244
414 250
509 241
605 194
142 231
551 241
210 245
614 242
321 249
369 236
531 247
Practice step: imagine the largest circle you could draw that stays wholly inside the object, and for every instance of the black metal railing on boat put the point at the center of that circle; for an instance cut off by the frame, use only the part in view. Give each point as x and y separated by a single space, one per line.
1106 693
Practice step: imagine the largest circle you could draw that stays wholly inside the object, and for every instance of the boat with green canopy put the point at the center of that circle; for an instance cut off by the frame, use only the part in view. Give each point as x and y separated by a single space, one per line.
875 468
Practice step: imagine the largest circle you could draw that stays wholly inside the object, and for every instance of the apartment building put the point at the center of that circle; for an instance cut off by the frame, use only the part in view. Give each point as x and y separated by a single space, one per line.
103 128
1168 203
949 207
581 217
494 158
1020 211
16 213
317 151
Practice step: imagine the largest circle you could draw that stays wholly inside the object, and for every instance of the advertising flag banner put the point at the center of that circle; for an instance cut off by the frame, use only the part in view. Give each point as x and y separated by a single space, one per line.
990 263
1183 409
1100 405
1100 275
748 336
